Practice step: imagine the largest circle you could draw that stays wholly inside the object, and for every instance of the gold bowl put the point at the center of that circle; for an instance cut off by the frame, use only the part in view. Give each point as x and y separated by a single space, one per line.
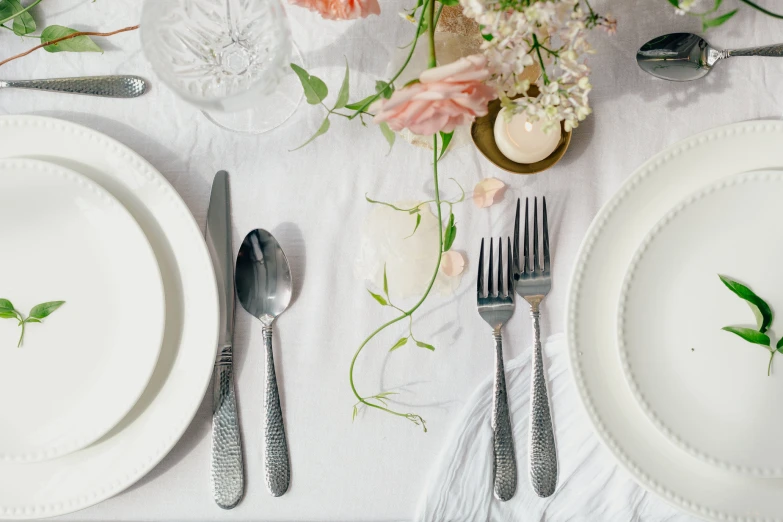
483 133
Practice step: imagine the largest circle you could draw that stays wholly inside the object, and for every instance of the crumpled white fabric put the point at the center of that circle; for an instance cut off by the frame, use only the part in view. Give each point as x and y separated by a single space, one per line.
591 485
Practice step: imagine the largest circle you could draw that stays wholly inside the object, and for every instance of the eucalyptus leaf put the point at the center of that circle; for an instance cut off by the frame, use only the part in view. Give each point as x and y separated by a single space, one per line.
388 134
402 342
321 130
314 88
719 20
425 345
755 301
749 334
342 96
450 234
445 140
45 309
378 298
77 44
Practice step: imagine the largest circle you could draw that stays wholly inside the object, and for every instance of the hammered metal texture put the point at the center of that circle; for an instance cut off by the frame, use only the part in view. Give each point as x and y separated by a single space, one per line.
227 474
106 86
771 50
543 452
276 464
502 435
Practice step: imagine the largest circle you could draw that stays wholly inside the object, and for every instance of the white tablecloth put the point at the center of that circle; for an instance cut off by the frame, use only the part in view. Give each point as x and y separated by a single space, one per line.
313 200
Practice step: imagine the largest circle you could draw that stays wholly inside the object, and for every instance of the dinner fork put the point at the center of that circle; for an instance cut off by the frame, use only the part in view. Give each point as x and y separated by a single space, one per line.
496 306
533 282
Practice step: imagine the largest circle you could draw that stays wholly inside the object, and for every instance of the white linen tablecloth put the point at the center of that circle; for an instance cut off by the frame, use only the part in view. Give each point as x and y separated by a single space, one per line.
375 468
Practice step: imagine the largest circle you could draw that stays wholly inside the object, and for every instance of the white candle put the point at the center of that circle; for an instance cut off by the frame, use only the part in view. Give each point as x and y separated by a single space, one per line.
522 141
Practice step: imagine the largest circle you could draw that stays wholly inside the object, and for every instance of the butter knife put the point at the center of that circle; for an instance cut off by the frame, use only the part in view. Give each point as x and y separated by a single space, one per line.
227 470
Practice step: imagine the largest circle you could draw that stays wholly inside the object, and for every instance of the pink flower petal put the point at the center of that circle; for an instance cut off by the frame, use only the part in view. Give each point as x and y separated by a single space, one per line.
452 264
486 191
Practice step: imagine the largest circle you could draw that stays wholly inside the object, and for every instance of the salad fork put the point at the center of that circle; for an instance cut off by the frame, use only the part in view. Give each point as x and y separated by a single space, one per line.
496 306
533 282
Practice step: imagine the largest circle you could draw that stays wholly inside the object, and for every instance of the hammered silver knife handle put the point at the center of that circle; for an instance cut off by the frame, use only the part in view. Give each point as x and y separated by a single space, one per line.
106 86
227 473
505 468
767 50
543 453
276 464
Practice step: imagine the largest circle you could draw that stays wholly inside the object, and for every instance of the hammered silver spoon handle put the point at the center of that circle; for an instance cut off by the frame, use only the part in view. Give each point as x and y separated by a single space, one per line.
543 453
227 473
106 86
505 468
767 50
276 463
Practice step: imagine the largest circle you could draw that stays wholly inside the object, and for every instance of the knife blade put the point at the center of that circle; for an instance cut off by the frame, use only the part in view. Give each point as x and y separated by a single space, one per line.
227 467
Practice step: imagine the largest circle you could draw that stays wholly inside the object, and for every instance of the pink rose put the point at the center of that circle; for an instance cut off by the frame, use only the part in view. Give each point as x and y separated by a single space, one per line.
445 97
341 9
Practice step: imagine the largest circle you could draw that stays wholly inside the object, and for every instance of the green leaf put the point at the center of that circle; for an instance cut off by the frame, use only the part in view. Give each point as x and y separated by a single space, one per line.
355 412
355 106
321 130
487 37
78 44
720 20
388 134
398 344
449 2
32 320
378 298
385 394
6 306
385 282
425 345
675 3
384 89
779 346
23 23
450 235
749 334
418 222
8 315
342 96
314 88
45 309
755 301
445 140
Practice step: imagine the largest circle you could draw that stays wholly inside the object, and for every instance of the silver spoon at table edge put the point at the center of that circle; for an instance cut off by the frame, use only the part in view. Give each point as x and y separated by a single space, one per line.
264 287
683 57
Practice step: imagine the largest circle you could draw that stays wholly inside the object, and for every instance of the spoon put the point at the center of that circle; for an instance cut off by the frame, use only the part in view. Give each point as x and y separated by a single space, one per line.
118 86
264 288
682 57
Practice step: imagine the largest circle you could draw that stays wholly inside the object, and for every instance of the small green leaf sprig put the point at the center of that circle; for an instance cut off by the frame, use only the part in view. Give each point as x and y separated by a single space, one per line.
764 317
712 17
36 315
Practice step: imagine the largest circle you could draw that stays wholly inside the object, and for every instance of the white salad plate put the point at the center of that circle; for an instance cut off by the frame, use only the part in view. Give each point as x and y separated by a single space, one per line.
707 389
693 484
81 370
177 386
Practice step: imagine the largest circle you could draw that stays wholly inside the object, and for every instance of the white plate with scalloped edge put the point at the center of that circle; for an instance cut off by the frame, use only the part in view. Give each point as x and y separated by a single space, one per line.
706 389
183 371
80 370
664 468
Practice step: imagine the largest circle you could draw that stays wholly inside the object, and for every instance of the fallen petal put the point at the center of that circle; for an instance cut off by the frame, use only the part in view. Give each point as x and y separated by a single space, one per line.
487 191
452 264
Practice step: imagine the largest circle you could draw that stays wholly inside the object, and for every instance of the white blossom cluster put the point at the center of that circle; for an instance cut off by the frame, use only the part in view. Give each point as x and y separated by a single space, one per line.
519 33
685 6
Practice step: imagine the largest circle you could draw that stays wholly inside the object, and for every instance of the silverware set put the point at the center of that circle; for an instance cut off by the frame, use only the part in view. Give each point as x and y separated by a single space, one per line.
528 276
264 287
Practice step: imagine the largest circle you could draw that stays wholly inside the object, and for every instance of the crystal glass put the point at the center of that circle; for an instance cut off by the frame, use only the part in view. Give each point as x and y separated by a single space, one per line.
229 57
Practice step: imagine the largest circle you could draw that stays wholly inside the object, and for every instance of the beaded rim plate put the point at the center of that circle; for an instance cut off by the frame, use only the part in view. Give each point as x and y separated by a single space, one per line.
614 236
177 386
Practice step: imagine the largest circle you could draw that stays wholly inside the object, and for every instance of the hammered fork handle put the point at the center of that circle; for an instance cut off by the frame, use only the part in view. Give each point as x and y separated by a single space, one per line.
227 473
276 463
505 468
543 453
106 86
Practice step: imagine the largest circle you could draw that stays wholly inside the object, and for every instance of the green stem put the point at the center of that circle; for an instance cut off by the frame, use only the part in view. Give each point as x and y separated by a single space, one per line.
537 47
21 337
759 8
769 366
430 10
35 3
377 95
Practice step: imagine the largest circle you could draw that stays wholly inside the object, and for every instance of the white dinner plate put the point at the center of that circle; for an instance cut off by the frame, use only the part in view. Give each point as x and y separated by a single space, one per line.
705 388
176 388
81 370
618 230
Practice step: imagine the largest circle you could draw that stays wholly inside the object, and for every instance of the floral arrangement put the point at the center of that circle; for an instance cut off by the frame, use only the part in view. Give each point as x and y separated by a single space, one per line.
711 16
516 34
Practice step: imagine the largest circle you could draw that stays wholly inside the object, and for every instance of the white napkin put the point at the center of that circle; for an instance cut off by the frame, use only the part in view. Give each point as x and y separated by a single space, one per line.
591 486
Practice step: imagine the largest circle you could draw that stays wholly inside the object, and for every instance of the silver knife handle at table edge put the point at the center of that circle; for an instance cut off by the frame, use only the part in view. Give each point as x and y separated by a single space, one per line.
543 452
276 462
105 86
227 473
505 468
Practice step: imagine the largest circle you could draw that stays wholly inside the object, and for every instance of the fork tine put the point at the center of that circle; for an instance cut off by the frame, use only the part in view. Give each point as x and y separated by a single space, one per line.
546 241
490 281
501 290
516 238
536 262
526 244
510 283
480 278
